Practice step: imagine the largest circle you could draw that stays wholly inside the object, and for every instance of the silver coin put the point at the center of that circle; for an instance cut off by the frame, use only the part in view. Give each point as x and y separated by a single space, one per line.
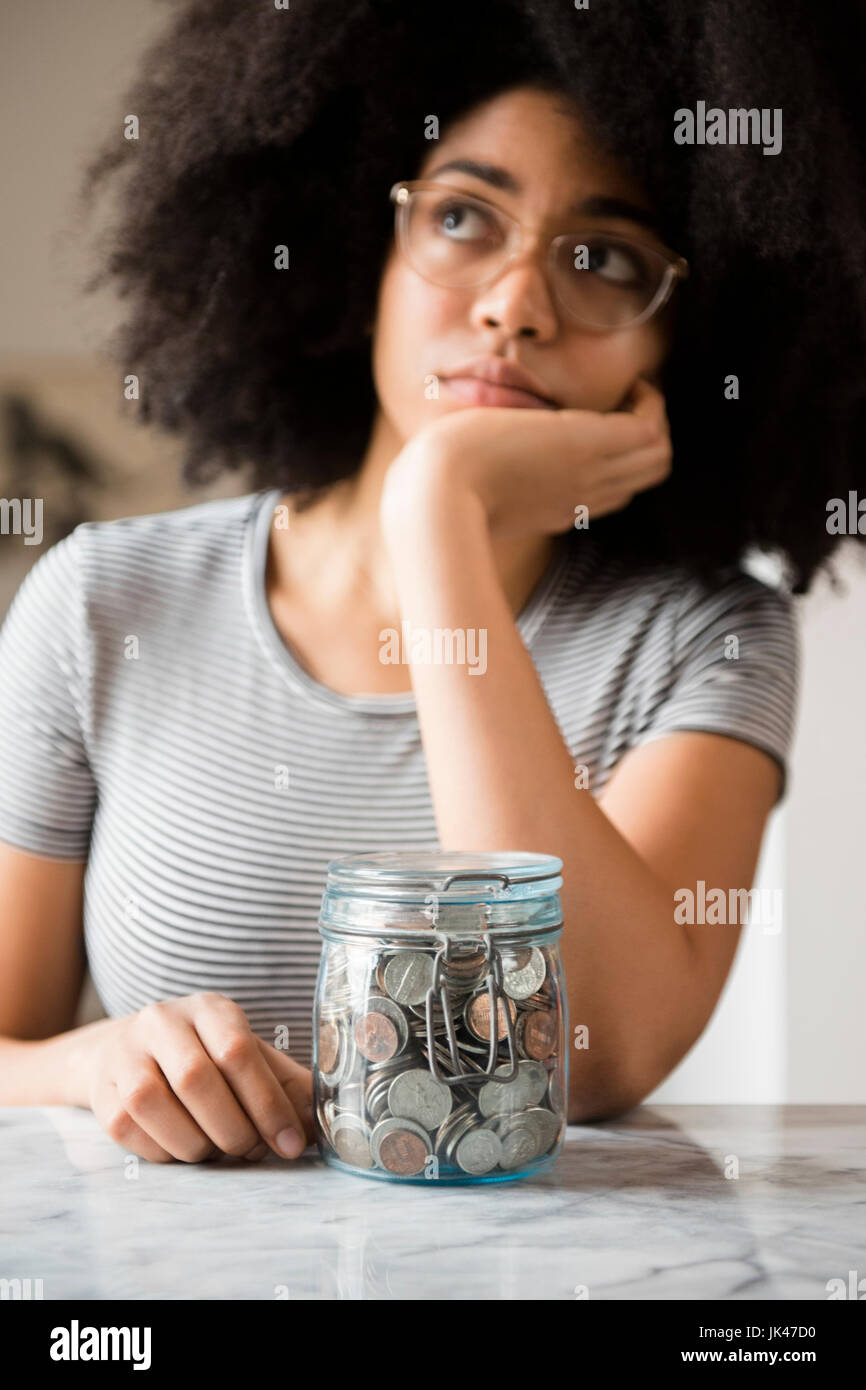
533 1081
518 1147
478 1151
520 983
504 1097
446 1130
387 1126
546 1126
350 1139
456 1133
416 1095
408 976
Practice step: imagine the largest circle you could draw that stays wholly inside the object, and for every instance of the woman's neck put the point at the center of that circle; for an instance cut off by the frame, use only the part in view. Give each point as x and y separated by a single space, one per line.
332 553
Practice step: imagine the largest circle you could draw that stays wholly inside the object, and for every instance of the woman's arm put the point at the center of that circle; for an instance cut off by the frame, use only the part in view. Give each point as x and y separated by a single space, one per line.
41 972
685 807
181 1079
41 956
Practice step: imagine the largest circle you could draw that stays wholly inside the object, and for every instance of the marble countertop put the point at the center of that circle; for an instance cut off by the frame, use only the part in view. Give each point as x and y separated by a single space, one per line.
670 1202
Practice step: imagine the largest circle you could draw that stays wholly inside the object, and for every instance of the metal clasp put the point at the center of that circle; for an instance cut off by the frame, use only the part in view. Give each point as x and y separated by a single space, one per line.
493 981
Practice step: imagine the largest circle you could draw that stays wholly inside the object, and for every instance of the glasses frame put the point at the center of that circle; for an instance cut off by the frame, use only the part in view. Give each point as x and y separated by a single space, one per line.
677 267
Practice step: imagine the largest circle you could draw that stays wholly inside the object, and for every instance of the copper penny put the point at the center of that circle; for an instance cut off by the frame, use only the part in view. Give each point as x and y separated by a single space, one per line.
329 1045
460 967
539 1034
478 1017
376 1037
402 1152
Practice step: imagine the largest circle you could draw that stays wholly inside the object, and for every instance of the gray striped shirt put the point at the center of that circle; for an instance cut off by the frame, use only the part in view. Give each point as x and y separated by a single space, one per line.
154 723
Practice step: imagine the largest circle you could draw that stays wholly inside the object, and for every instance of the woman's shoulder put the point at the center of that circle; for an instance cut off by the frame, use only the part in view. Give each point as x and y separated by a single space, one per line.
144 568
675 594
156 534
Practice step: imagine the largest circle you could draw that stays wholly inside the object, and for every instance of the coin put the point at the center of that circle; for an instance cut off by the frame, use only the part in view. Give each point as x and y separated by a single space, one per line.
416 1095
408 976
403 1153
477 1016
523 981
546 1126
478 1151
375 1037
381 1004
518 1146
462 971
329 1045
346 1053
502 1097
539 1034
388 1126
533 1080
351 1140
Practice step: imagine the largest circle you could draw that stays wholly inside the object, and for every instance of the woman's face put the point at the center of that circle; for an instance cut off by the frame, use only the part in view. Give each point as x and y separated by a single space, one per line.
423 330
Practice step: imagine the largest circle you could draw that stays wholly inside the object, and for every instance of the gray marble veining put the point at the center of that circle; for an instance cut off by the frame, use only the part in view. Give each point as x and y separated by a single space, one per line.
669 1202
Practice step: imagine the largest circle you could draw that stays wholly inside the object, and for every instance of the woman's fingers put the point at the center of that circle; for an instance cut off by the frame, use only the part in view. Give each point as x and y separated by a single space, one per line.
641 467
199 1084
642 425
149 1100
296 1081
113 1115
228 1039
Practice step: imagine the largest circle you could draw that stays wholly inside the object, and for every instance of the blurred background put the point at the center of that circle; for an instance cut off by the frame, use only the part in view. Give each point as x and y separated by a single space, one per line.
789 1027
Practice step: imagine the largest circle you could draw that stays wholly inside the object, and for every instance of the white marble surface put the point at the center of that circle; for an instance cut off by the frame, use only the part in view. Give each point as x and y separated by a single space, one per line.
633 1209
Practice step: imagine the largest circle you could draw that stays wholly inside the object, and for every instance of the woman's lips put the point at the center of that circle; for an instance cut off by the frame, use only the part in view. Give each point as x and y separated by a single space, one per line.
478 392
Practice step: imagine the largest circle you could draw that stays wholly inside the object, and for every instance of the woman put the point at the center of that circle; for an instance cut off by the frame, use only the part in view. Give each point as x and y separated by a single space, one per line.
455 407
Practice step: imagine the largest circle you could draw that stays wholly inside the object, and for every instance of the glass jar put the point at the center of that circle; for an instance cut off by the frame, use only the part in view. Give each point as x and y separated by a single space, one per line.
422 950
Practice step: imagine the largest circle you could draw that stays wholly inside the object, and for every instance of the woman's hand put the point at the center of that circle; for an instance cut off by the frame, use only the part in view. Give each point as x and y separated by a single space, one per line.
532 468
188 1079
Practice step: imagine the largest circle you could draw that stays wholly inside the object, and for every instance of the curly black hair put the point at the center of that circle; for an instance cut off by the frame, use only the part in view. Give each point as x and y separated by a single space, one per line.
262 126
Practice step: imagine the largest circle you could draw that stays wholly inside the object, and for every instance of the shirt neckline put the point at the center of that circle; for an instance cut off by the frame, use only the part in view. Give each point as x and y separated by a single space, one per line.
403 702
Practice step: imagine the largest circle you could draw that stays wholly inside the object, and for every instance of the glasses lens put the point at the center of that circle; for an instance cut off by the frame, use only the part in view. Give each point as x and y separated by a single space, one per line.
451 238
607 281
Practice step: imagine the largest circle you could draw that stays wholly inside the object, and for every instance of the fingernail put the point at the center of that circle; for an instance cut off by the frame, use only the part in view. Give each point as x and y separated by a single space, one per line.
290 1143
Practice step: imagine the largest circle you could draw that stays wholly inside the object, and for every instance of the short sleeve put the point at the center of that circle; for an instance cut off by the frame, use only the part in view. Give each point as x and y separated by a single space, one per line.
47 788
736 668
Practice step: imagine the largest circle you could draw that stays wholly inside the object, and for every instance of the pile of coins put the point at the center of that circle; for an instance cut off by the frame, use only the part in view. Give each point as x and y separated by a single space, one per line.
378 1103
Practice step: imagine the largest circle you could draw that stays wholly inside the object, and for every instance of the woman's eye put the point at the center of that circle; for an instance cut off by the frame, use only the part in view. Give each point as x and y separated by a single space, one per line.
462 221
616 264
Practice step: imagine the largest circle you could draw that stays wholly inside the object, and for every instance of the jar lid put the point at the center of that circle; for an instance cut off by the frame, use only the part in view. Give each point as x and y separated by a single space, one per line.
411 876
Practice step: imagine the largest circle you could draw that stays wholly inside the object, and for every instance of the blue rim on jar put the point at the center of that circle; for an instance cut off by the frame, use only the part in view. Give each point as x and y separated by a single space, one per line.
441 1018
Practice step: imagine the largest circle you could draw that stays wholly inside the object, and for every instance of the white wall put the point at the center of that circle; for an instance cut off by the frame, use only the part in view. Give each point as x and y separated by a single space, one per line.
826 848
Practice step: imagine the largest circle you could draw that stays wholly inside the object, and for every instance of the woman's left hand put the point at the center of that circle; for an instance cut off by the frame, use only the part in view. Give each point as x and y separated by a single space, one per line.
532 469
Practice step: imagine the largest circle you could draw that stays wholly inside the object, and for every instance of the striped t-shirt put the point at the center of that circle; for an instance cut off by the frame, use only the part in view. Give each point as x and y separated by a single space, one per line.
154 723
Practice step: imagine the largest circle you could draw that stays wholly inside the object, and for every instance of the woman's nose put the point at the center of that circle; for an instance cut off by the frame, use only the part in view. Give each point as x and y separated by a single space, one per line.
519 301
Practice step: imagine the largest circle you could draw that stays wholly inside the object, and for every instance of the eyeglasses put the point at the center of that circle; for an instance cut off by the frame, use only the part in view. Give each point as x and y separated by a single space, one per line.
460 241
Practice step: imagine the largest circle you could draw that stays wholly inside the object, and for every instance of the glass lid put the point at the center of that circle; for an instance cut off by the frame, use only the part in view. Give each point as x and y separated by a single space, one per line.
410 876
